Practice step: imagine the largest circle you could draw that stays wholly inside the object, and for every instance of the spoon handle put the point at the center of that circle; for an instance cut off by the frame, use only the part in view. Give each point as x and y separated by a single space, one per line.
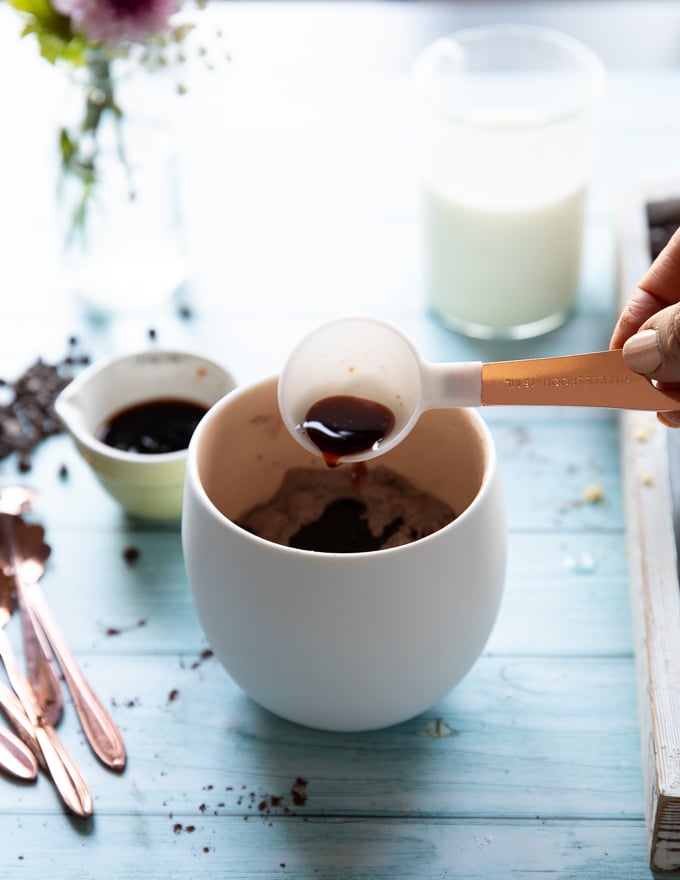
599 379
15 757
14 712
40 667
99 728
65 774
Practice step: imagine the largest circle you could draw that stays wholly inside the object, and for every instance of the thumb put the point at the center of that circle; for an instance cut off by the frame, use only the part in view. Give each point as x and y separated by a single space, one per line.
654 350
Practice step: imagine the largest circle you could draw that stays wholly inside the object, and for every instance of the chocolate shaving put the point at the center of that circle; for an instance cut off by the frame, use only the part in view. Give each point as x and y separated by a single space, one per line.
27 415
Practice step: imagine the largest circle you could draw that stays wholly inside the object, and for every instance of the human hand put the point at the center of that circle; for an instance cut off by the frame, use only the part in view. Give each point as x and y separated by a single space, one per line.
648 328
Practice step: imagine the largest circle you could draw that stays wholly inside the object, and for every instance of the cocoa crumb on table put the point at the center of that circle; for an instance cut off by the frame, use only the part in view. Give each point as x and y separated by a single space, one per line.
131 555
271 805
206 654
299 791
116 631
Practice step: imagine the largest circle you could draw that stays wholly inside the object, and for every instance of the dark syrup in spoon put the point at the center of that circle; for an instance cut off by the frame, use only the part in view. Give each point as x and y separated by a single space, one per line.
346 425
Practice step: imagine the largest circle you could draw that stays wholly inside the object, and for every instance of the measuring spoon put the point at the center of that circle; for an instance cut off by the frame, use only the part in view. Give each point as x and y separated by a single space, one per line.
366 358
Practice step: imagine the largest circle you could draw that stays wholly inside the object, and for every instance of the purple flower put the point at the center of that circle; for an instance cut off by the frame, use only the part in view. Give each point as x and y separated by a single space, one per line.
117 21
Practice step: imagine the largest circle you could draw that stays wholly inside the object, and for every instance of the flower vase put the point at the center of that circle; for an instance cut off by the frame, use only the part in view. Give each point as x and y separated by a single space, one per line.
118 194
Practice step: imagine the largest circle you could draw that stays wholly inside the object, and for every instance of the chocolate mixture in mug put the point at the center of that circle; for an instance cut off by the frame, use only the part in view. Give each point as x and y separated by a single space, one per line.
346 510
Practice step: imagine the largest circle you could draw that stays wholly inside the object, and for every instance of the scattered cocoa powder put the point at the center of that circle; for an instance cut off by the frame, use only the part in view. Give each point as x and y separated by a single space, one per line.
299 792
131 555
206 654
116 631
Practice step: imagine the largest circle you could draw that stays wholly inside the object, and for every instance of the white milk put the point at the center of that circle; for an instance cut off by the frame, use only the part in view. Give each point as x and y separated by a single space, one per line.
503 217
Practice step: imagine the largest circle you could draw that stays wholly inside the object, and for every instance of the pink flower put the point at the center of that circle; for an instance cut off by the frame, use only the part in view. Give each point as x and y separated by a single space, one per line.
117 21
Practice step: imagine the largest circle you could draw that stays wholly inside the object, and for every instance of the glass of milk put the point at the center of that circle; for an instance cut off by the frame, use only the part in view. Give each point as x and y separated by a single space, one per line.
505 148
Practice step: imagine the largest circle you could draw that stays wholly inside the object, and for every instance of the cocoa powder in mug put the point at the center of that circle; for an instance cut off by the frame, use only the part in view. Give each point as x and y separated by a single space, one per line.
346 511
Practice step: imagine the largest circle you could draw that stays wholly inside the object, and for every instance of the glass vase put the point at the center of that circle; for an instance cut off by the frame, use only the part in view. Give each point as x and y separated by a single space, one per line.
118 193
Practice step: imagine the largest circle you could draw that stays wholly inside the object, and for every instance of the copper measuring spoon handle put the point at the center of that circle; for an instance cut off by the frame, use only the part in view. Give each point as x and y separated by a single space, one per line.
599 379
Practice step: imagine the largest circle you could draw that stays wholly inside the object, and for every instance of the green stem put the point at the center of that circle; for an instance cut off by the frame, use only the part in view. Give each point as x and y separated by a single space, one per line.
80 150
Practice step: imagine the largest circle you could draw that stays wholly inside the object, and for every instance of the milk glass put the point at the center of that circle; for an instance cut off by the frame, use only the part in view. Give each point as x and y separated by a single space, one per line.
505 151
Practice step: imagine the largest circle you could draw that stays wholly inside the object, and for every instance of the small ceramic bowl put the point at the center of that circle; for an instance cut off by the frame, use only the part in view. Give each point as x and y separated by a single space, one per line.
148 486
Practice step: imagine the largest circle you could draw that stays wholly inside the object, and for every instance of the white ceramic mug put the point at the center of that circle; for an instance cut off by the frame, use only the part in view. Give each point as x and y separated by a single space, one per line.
342 642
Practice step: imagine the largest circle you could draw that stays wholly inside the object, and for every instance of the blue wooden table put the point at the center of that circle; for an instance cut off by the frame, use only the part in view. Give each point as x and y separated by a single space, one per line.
300 201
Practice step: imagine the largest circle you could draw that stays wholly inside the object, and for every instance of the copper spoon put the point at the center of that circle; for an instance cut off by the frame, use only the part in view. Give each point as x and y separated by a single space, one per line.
14 712
16 758
364 357
40 667
99 728
65 774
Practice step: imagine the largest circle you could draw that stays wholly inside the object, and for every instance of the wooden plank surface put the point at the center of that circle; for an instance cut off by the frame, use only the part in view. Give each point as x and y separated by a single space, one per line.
648 453
299 209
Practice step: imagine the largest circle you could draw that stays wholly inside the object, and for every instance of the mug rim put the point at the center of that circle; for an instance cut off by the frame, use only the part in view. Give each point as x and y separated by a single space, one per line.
195 483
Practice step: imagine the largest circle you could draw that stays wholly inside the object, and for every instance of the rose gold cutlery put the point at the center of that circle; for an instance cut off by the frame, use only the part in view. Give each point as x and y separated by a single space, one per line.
14 712
15 757
40 667
28 554
34 705
67 779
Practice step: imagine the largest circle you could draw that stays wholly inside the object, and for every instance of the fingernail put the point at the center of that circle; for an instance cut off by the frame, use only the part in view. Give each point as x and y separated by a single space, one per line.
669 419
642 352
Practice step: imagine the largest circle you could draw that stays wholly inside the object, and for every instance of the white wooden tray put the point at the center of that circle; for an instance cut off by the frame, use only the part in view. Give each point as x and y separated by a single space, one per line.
651 458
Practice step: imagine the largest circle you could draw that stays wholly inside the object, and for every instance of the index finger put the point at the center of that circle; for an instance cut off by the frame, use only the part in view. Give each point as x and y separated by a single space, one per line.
659 287
662 280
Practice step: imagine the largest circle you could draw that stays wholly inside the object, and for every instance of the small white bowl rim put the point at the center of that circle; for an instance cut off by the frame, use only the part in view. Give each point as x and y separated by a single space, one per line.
89 440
